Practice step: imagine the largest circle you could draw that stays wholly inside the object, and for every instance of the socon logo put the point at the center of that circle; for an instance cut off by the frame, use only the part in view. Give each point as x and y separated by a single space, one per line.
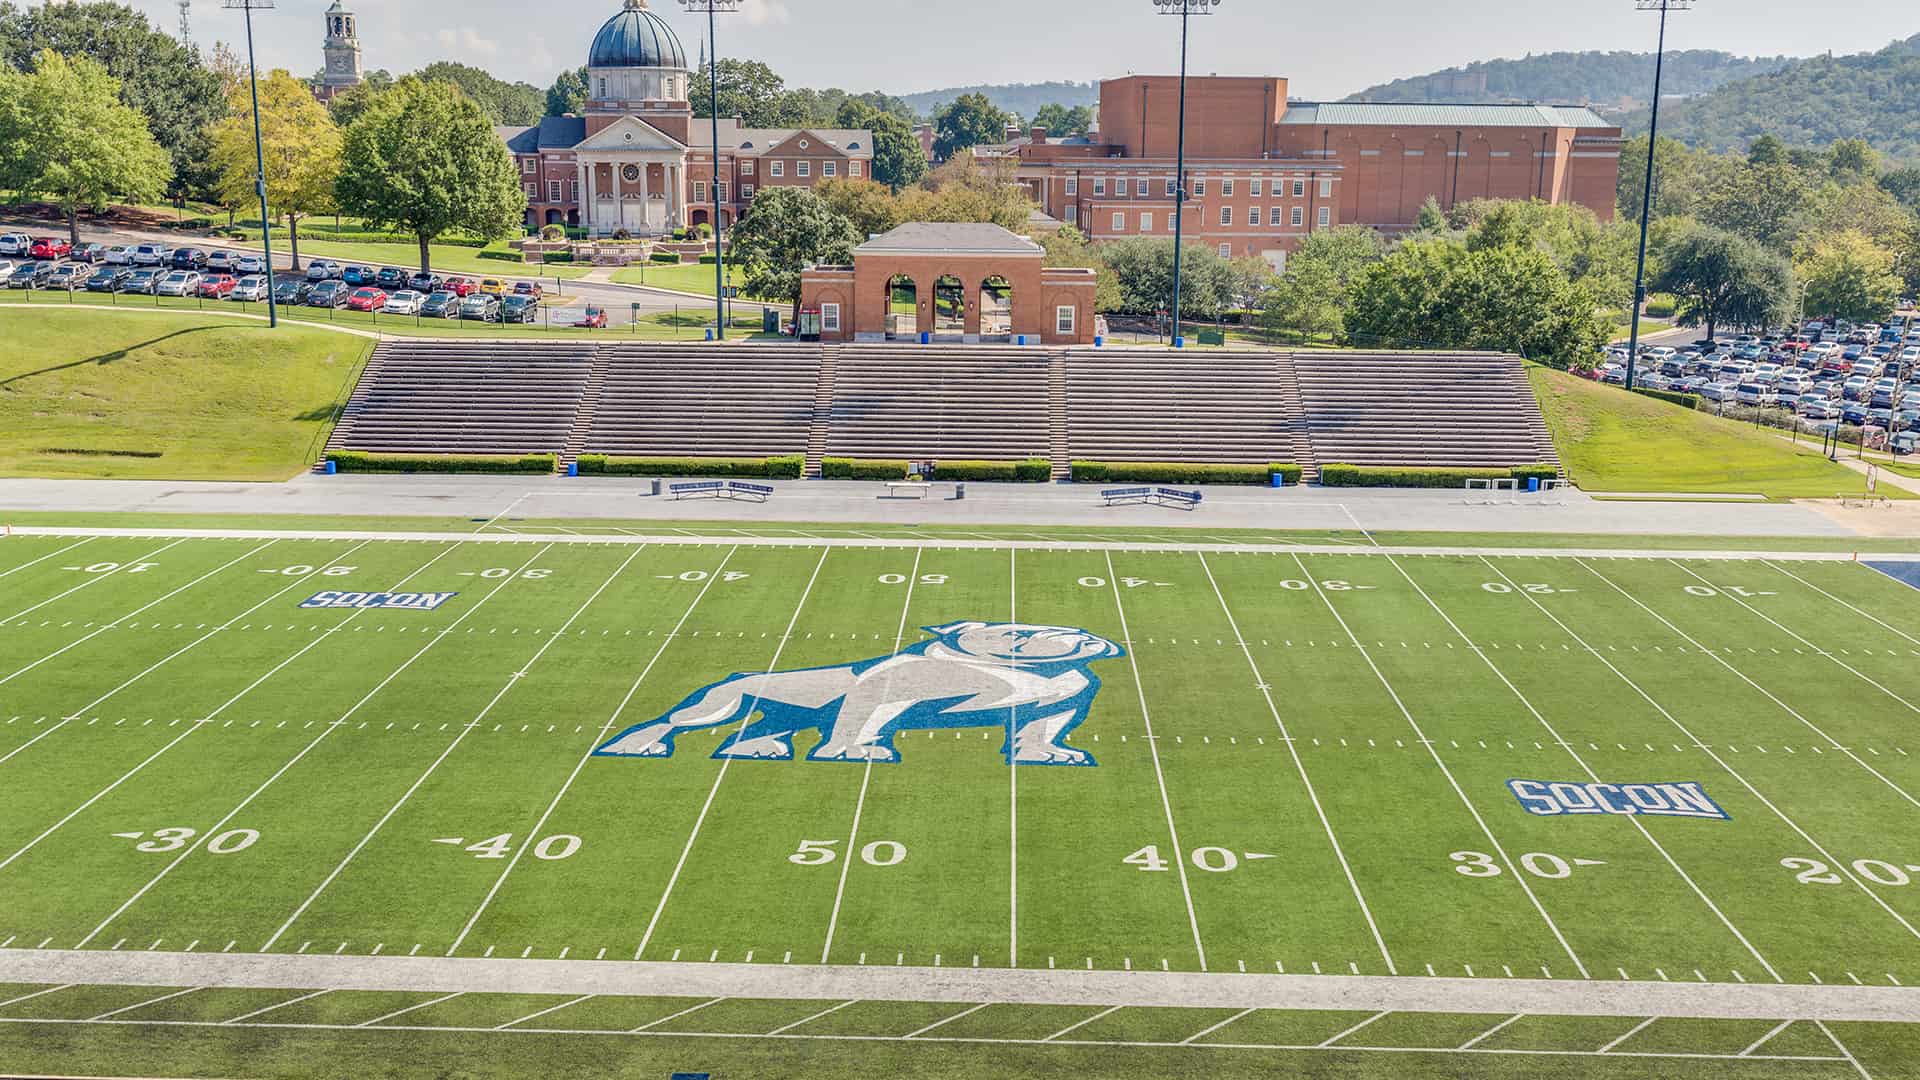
1551 799
404 601
1034 682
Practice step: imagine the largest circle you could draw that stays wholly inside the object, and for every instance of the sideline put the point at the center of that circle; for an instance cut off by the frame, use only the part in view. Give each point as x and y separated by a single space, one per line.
1395 993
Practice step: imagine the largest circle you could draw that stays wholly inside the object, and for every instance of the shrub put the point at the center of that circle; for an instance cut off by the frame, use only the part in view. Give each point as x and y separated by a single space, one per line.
504 256
1685 401
862 469
1029 471
707 259
784 468
1411 477
1660 309
702 231
553 232
1542 471
354 461
1150 472
557 257
666 257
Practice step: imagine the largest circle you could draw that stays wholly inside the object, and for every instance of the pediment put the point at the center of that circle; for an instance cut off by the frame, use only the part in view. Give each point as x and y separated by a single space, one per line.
630 133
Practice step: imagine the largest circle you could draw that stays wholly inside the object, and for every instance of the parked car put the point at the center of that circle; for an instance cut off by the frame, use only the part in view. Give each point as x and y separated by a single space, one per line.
89 253
1753 393
215 286
151 254
458 286
187 259
595 318
1817 407
519 309
177 283
390 278
118 255
441 305
140 280
108 279
328 294
366 299
218 259
50 247
1856 388
248 264
292 291
69 276
1853 413
482 306
358 275
527 288
252 287
15 243
323 270
30 275
1718 391
7 266
423 282
404 302
493 286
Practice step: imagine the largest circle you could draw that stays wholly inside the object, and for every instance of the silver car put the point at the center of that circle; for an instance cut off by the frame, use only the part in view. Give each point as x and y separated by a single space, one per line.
177 283
251 287
404 302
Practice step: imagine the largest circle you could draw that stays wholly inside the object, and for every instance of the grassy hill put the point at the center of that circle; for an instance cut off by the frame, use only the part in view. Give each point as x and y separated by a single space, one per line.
139 395
1606 78
1020 99
1611 440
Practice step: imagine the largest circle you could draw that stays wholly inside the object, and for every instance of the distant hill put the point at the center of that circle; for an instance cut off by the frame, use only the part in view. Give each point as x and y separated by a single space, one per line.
1873 96
1622 80
1022 99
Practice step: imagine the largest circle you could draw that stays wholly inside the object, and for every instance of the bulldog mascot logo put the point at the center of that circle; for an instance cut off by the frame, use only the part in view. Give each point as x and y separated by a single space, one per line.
1034 682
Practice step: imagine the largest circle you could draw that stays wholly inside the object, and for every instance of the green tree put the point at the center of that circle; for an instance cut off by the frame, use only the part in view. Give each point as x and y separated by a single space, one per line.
1142 269
1069 247
504 103
1759 202
179 96
1430 219
1848 276
568 94
869 205
1767 150
1059 120
971 120
1311 297
1596 255
1904 185
749 90
965 190
789 230
1851 161
1722 278
898 160
423 158
300 147
66 135
346 106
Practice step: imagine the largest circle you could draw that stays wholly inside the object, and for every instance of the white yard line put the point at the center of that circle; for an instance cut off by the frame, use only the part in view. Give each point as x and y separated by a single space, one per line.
666 894
1153 750
94 579
866 773
600 737
215 829
44 558
1628 1034
1336 1038
4 758
503 513
35 994
1494 1030
144 1004
1695 740
1868 615
513 680
1345 509
1765 1039
947 1020
810 1019
276 1005
112 624
1013 782
1300 766
411 1008
675 1016
1206 1031
543 1012
1433 751
1078 1024
1842 1047
1568 746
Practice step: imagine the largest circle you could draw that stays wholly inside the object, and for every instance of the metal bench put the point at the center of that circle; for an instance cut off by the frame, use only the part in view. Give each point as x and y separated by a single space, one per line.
1184 500
1156 496
1119 496
916 488
737 489
713 489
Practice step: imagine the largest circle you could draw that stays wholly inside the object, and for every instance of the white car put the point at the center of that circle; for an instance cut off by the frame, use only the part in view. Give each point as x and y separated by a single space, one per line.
1717 391
252 287
404 302
8 266
248 264
151 254
177 283
15 243
118 255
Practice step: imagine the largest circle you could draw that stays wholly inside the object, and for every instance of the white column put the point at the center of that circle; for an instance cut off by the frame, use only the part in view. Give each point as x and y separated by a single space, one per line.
580 193
674 196
590 201
646 186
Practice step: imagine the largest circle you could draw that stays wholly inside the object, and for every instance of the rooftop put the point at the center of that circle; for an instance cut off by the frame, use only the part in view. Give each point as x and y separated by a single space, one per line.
1441 115
946 237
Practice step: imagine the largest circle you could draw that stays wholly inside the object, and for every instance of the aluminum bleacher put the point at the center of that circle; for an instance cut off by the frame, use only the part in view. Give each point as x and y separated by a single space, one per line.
1421 409
434 397
1167 405
704 401
911 401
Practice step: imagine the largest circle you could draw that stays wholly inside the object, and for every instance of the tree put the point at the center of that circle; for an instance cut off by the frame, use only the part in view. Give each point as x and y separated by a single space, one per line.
568 94
970 121
1848 276
164 80
1061 120
300 147
789 230
1759 202
504 102
898 160
1723 278
1430 219
749 90
1903 184
65 134
1311 297
1592 254
1851 161
1767 150
962 190
1068 247
423 158
1142 269
346 106
867 204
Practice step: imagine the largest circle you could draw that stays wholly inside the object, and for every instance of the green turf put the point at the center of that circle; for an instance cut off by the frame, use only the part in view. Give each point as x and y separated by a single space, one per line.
446 258
1404 1029
1614 441
213 1005
614 1013
1139 1024
94 394
480 1010
84 1002
681 277
1678 1035
1285 1027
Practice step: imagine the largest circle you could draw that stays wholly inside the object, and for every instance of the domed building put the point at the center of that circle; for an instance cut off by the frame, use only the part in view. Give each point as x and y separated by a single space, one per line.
636 159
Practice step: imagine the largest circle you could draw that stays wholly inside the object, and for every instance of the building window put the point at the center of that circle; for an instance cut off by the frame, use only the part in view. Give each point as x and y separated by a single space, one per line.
1063 317
1073 186
527 166
573 191
533 191
1273 217
746 167
1299 188
1199 187
1324 217
603 87
1099 186
829 168
853 168
1297 219
803 169
720 190
830 318
1140 188
1254 187
1146 222
746 191
779 169
1226 215
553 191
1253 216
699 191
1226 189
1119 222
1173 221
1326 189
1226 251
1073 213
1169 189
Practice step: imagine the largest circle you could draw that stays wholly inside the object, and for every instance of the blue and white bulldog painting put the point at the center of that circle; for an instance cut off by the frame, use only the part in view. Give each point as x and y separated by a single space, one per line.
1034 682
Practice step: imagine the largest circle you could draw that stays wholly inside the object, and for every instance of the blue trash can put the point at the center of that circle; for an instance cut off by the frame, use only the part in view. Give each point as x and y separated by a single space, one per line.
1279 480
1533 483
709 333
1021 340
926 338
1180 343
1099 341
573 468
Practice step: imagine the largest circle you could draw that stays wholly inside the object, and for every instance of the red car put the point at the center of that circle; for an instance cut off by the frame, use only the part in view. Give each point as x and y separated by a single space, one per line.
215 286
458 286
48 247
527 288
594 319
366 300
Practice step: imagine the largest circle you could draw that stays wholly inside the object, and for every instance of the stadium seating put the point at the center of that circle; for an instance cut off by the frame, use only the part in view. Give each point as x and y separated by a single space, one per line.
909 401
421 397
1421 409
703 401
1225 408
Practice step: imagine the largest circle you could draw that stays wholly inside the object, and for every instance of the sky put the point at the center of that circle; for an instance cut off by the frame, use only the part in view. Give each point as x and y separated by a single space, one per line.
1326 50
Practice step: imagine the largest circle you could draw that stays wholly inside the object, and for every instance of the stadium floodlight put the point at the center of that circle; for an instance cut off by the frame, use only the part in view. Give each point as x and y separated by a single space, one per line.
259 157
1185 9
712 8
1646 192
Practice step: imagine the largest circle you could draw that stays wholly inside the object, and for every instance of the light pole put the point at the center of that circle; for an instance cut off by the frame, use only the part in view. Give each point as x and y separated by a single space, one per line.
712 8
259 157
1184 9
1646 192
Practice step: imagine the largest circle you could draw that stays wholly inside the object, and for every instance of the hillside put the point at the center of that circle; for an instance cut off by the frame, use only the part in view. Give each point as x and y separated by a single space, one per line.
1022 99
1873 96
1621 79
179 397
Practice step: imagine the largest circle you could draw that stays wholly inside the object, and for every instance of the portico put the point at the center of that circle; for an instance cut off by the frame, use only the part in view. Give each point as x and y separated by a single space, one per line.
632 177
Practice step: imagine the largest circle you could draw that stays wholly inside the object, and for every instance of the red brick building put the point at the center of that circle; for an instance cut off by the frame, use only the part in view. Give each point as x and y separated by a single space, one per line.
1263 171
637 159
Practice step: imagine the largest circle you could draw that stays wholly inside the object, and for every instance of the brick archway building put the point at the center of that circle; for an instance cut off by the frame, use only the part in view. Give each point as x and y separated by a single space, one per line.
990 272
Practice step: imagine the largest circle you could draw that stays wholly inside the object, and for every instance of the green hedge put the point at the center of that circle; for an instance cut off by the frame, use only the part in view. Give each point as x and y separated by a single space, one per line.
707 259
1030 471
671 257
1685 401
779 468
503 256
839 468
1408 477
1148 472
557 257
354 461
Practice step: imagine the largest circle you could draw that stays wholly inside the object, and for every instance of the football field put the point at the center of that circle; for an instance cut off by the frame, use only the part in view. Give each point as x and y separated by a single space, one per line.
962 755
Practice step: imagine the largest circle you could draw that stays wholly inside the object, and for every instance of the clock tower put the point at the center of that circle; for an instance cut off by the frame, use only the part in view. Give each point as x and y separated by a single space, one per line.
342 48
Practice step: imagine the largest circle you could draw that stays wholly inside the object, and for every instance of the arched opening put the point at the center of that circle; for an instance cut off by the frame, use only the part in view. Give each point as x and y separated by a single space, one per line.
726 219
553 217
698 217
573 218
949 306
996 307
903 308
533 218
